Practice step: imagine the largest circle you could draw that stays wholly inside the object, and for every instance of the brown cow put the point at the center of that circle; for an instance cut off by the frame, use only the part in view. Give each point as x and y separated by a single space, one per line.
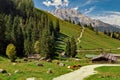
74 66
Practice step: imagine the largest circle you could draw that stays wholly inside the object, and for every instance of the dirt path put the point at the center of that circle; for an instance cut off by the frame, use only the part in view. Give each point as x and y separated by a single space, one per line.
81 34
79 38
83 72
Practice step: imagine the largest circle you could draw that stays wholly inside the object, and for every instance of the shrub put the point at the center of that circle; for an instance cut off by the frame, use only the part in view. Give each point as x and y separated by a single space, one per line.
11 52
37 47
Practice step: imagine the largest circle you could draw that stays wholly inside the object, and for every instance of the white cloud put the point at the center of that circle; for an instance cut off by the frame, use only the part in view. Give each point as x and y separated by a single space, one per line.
47 3
113 12
76 8
88 2
56 3
87 11
110 17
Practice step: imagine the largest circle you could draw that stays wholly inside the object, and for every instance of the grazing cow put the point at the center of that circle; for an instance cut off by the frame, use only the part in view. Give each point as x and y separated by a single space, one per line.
78 65
71 67
74 66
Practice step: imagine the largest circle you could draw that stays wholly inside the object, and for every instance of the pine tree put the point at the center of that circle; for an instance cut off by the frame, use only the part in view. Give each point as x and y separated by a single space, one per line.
68 48
18 25
20 40
2 35
105 31
27 47
57 26
119 35
47 43
51 27
91 27
73 47
8 21
14 30
70 21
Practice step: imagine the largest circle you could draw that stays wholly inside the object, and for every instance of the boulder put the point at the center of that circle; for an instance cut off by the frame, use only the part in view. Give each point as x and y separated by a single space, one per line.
49 71
9 74
16 71
39 64
36 62
3 71
19 61
61 64
25 59
42 58
14 63
57 63
49 60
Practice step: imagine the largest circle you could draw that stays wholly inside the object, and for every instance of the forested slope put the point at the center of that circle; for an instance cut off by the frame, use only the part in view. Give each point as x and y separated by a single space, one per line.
35 31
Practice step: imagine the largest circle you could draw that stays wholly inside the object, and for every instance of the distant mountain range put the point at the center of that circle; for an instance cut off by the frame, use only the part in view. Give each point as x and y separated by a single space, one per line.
77 17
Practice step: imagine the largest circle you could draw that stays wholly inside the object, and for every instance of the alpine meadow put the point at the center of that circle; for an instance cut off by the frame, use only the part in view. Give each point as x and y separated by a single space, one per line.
36 44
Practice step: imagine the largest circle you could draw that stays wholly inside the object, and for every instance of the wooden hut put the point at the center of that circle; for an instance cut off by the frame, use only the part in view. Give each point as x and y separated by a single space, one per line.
105 58
117 55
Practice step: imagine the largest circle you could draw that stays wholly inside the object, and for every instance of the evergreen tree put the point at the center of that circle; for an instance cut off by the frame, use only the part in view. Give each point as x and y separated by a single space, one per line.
27 47
79 24
91 27
14 30
119 35
73 47
51 27
57 26
8 21
2 35
70 21
45 43
20 40
18 25
68 48
105 31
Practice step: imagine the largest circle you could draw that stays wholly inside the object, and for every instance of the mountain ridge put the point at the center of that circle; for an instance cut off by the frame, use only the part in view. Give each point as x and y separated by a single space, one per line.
77 17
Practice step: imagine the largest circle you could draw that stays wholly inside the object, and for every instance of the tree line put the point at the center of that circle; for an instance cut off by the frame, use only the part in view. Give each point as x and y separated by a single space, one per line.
115 35
27 28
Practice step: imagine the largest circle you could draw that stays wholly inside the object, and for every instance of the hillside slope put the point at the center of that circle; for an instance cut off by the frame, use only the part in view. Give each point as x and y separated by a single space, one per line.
90 39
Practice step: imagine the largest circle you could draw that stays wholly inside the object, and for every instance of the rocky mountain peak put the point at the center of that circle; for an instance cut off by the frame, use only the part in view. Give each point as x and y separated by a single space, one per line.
78 17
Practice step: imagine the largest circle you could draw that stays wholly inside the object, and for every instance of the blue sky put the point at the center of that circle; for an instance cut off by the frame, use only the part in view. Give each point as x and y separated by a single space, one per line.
105 10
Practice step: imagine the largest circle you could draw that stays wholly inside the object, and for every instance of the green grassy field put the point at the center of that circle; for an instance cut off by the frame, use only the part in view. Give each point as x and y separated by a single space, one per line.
30 69
91 40
106 73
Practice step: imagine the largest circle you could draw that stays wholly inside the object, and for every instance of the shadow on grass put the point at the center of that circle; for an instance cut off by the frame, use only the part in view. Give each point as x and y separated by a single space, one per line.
60 43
